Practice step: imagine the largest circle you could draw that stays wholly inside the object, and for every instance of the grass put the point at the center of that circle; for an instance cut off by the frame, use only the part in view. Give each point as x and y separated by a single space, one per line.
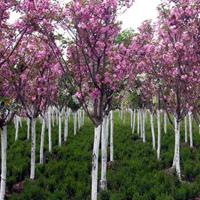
135 174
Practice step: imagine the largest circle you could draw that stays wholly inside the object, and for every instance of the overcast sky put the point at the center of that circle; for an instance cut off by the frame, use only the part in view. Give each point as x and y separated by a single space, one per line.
134 16
140 11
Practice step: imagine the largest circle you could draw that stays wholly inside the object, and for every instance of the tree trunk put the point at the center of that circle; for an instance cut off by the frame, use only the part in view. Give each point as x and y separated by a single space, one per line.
75 122
66 126
42 142
16 128
104 144
79 119
60 129
176 161
186 129
53 117
152 130
165 122
28 128
138 122
190 128
131 113
33 147
159 135
143 125
3 162
111 136
133 126
95 157
49 129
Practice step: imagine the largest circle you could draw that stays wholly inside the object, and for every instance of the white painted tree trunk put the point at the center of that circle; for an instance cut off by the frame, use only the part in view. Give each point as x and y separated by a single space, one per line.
3 162
28 128
104 145
33 148
176 161
165 122
79 119
152 130
95 158
111 136
75 122
16 128
190 129
131 113
42 142
60 129
66 126
133 125
49 130
186 129
143 125
138 122
159 135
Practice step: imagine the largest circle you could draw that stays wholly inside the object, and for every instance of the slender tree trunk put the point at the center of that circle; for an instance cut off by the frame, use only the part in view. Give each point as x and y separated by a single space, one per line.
28 128
165 122
143 125
152 131
33 148
190 128
159 135
75 122
186 129
16 128
134 117
175 146
104 145
79 119
131 113
111 136
42 142
3 162
138 122
66 126
95 157
60 129
176 161
49 130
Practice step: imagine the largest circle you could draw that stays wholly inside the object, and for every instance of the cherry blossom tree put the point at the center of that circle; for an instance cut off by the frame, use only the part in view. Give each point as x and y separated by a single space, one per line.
98 66
173 62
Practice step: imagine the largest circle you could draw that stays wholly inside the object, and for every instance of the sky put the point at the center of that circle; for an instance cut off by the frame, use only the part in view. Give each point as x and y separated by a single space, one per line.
140 11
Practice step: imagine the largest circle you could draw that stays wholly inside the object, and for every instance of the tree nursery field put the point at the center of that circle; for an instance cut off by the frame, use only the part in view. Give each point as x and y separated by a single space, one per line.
91 110
134 174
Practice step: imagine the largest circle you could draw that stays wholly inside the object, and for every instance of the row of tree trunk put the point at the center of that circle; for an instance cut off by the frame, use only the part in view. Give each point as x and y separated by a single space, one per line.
49 119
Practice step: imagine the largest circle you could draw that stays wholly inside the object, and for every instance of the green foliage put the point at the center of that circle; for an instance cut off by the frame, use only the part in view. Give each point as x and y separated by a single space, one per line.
125 37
